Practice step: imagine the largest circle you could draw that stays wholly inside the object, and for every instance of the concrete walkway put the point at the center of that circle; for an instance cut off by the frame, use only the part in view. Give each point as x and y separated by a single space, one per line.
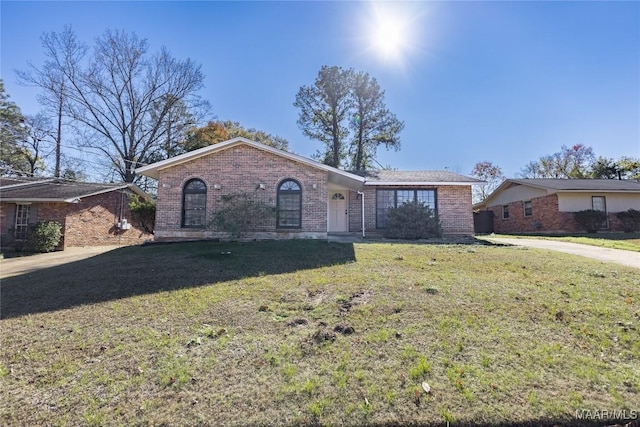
618 256
26 264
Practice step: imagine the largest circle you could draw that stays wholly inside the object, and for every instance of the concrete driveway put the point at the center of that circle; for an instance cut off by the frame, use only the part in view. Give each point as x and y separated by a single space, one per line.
26 264
618 256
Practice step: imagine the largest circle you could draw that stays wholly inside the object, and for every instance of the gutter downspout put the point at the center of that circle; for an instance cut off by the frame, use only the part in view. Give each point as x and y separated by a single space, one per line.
361 193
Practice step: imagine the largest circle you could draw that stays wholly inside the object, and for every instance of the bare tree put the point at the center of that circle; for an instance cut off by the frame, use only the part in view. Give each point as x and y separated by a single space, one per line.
50 77
491 174
120 95
569 162
37 142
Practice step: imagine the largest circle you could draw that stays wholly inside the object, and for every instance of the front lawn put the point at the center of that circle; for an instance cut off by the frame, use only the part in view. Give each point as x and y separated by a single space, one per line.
317 333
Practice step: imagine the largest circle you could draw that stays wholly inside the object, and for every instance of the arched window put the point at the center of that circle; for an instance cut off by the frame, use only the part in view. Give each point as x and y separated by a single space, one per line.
194 204
289 204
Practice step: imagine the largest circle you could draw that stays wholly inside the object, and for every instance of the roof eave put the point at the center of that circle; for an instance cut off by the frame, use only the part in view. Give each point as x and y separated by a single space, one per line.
24 184
422 183
597 190
26 200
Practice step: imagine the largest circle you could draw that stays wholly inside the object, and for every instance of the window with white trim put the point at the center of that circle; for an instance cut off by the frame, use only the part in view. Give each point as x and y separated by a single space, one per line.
22 222
194 204
289 204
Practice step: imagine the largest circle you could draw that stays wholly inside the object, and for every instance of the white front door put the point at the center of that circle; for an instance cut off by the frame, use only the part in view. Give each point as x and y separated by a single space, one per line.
338 212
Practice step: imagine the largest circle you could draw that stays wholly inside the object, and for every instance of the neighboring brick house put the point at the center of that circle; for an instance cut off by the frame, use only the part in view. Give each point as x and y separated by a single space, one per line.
90 214
547 205
311 199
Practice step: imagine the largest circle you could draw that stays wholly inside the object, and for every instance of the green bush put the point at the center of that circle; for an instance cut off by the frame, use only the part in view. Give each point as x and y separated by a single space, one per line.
413 220
143 212
590 220
45 236
242 213
630 220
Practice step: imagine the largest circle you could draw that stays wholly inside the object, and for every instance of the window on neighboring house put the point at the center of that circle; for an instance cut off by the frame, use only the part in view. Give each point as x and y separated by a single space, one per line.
528 210
289 204
22 222
392 198
505 211
194 204
599 203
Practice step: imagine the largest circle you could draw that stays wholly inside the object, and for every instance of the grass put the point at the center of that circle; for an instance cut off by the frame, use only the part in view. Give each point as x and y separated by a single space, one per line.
624 241
316 333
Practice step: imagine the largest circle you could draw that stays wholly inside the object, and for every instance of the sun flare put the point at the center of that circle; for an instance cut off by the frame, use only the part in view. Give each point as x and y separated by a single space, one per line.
389 32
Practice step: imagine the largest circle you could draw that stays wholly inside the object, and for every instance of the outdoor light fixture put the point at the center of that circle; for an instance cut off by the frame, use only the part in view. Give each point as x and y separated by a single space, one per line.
261 187
217 186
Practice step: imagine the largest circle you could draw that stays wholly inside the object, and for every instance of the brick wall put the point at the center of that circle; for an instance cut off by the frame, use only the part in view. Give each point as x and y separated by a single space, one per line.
545 218
90 222
94 221
454 209
240 169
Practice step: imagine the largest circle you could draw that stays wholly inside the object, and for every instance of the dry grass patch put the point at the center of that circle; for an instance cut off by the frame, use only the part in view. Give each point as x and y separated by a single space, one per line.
307 332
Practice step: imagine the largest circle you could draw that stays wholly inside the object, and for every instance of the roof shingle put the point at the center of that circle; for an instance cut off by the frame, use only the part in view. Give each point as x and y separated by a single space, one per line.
580 184
54 190
394 176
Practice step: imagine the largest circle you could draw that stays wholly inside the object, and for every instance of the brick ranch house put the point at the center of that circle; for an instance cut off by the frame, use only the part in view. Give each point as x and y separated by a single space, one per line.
547 205
311 199
90 214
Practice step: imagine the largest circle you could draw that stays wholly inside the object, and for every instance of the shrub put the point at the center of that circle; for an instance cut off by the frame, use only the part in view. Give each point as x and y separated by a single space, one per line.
591 220
413 220
241 213
630 220
45 236
143 212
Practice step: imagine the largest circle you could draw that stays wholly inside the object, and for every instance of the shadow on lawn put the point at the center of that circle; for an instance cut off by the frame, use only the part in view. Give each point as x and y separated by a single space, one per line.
598 418
130 271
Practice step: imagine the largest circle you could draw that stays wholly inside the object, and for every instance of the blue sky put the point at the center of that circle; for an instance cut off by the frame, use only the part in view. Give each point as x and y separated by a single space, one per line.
505 82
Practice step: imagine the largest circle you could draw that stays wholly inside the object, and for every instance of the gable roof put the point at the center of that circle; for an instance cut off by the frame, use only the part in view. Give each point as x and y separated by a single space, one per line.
348 179
552 185
336 175
58 190
393 177
556 185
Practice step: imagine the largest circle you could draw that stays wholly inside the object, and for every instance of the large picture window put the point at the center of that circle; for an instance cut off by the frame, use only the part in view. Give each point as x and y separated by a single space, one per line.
289 204
393 198
194 204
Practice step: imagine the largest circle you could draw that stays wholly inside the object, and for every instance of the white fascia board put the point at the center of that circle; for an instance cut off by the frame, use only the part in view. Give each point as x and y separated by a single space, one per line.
420 183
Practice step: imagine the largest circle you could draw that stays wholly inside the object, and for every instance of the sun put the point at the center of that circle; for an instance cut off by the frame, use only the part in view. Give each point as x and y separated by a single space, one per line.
389 32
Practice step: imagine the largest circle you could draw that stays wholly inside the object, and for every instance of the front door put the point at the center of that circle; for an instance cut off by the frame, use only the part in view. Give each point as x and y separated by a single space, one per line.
338 213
